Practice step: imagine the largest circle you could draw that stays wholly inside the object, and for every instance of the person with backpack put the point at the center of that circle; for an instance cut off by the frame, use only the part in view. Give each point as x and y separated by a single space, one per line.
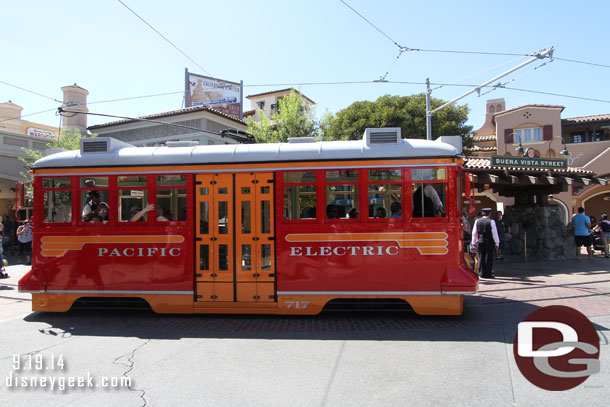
604 226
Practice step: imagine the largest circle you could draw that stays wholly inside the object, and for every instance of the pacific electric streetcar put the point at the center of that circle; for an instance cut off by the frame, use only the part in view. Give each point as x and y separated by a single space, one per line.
251 228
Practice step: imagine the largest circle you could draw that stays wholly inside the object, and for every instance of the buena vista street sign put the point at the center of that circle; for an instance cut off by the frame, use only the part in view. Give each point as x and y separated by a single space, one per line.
550 163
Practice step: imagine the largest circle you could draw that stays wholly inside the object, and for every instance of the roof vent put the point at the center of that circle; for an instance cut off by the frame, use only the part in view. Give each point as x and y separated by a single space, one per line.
182 143
389 135
293 140
100 145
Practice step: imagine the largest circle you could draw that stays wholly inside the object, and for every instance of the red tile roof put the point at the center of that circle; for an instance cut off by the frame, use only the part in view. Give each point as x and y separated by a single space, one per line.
287 90
484 148
587 119
491 137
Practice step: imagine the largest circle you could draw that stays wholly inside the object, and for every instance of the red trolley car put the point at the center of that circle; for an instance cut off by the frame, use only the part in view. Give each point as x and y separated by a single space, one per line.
251 228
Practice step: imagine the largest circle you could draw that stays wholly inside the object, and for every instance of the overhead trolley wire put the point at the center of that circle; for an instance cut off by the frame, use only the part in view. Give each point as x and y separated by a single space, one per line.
30 91
371 24
582 62
164 37
27 115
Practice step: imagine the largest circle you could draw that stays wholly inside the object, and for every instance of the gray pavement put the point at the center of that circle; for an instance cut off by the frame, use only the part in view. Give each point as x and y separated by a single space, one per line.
333 359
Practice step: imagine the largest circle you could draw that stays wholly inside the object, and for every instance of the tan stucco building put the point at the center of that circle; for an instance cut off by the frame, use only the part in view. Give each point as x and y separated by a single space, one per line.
584 142
268 103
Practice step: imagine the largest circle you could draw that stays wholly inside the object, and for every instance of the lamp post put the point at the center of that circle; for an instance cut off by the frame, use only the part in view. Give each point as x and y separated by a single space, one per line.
564 152
520 149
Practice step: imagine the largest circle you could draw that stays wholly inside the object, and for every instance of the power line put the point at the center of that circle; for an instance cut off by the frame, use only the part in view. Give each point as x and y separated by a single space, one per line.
583 62
135 97
165 38
559 95
30 91
404 49
371 24
27 115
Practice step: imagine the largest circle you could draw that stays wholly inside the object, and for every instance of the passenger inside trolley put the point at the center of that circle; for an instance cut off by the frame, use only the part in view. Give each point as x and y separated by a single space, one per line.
137 215
101 213
332 212
380 212
89 210
396 209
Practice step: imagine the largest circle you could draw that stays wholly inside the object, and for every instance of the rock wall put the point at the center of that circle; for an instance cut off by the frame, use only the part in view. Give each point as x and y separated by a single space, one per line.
547 235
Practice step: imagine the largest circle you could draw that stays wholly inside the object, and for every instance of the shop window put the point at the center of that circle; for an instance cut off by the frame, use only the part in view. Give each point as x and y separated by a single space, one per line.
578 137
528 135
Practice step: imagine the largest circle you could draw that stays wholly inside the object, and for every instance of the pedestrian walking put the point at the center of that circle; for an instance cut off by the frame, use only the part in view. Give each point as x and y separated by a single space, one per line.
503 230
582 235
3 273
24 236
485 237
604 226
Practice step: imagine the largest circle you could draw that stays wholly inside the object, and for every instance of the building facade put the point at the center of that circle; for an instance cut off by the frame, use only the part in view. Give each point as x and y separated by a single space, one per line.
201 124
268 103
540 201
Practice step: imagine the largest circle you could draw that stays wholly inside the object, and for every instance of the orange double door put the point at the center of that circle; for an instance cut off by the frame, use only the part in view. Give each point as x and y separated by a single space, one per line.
234 238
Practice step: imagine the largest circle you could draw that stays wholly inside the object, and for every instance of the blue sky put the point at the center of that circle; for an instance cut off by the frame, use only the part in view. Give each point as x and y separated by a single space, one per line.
106 49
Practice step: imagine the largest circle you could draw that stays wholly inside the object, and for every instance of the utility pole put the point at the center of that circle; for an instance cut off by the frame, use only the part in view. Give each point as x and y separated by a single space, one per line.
428 112
539 55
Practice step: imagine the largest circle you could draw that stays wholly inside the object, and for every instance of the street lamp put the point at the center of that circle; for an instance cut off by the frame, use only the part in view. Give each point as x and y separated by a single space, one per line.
520 149
564 152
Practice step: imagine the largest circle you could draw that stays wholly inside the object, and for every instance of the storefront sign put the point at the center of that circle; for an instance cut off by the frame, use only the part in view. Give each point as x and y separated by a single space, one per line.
547 163
40 133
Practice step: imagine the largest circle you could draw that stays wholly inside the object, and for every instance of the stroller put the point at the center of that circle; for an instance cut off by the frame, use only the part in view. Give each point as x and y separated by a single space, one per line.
597 242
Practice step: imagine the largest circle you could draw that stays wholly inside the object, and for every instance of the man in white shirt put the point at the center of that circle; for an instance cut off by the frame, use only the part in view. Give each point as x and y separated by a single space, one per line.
485 238
431 193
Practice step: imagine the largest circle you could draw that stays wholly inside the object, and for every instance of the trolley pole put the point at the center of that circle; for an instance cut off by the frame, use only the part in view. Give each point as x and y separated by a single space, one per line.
428 112
547 53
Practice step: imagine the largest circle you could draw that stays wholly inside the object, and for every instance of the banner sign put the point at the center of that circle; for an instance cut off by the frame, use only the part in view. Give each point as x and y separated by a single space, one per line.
546 163
40 133
221 95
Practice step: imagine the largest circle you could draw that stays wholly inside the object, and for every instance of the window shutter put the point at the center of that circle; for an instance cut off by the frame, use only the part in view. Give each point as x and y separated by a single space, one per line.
508 136
547 132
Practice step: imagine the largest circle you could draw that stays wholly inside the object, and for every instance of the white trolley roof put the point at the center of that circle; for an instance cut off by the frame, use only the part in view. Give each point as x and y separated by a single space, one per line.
376 144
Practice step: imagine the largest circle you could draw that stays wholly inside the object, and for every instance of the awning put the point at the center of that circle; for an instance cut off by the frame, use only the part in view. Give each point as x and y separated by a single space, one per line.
511 181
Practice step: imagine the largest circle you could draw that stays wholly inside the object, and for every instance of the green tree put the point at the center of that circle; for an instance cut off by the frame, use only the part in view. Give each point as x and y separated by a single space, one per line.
291 120
406 112
68 140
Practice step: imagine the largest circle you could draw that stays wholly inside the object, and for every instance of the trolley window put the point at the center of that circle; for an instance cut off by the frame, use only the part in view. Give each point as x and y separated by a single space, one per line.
299 195
57 195
429 193
171 204
341 194
133 198
384 188
94 197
